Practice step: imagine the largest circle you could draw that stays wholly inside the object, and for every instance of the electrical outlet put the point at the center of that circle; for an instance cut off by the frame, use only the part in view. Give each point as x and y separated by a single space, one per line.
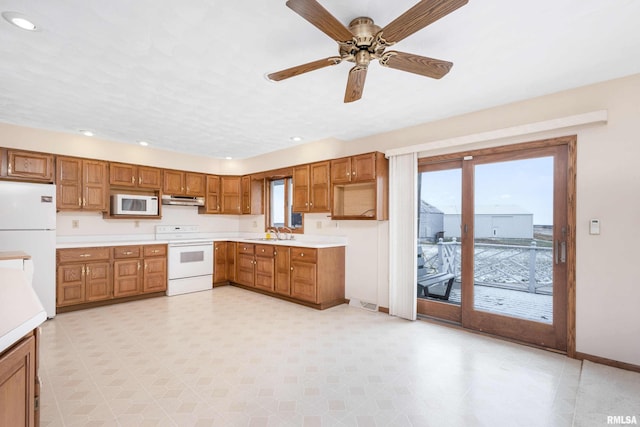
319 224
75 223
136 224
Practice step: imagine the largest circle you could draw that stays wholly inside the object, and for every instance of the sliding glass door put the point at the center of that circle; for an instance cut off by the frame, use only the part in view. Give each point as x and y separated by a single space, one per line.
493 242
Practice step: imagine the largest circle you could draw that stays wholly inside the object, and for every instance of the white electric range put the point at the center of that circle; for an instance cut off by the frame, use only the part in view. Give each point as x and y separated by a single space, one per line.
190 259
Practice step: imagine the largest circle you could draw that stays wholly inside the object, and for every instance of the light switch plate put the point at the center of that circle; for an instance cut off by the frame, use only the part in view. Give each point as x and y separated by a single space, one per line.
594 226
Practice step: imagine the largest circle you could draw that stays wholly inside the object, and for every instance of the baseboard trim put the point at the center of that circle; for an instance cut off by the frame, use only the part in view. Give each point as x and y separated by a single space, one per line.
608 362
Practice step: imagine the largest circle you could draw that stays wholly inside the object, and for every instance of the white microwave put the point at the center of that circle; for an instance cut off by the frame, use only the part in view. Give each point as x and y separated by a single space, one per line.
134 204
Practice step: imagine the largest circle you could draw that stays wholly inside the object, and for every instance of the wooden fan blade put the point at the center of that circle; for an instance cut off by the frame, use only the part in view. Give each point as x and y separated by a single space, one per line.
317 15
304 68
419 16
429 67
355 84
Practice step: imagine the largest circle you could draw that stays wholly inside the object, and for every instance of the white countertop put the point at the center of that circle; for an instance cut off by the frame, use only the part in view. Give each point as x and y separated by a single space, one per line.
20 308
66 242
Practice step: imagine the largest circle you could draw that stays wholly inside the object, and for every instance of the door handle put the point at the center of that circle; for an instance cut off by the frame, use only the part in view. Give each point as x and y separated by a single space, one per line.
561 248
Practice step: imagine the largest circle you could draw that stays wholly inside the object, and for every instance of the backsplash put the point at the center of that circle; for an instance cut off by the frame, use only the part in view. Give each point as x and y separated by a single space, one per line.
92 223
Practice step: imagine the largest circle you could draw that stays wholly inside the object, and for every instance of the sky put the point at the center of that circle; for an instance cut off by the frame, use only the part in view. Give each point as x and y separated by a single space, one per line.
525 183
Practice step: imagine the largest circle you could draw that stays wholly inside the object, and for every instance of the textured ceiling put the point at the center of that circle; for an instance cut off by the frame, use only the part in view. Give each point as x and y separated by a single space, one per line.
188 76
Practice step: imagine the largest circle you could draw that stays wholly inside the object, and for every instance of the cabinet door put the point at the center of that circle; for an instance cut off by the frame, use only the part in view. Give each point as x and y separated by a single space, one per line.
18 385
341 170
245 185
173 182
283 271
68 183
97 281
231 261
301 188
28 165
94 176
150 178
155 275
126 278
212 202
265 267
122 175
195 184
319 173
70 284
220 262
230 193
304 271
363 167
245 269
303 280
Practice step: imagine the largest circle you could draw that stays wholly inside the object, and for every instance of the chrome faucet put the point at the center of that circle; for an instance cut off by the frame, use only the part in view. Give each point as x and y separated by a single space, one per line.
288 231
275 231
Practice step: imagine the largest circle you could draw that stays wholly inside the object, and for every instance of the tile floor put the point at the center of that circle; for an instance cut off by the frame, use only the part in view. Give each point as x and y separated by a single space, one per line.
230 357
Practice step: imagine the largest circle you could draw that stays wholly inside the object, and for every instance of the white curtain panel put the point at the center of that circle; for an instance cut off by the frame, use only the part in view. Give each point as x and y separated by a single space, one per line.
403 205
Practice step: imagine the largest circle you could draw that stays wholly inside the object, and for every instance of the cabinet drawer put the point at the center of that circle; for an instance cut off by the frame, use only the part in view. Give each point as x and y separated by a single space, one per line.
154 250
265 250
304 254
120 252
245 248
82 254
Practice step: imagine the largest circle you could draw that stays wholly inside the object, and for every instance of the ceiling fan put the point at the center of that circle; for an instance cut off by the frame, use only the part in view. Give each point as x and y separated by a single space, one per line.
365 41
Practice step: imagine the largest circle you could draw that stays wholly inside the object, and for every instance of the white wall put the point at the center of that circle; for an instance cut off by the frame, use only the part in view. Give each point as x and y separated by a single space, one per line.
608 188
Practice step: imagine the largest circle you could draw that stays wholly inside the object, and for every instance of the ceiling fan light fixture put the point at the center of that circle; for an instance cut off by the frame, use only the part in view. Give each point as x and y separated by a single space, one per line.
20 21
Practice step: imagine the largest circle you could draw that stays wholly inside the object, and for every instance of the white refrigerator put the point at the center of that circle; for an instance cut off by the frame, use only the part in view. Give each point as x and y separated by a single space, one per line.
28 224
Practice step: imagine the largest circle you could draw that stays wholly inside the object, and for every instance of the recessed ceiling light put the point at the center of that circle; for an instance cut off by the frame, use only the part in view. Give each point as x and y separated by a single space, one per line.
19 20
143 143
86 132
229 158
296 138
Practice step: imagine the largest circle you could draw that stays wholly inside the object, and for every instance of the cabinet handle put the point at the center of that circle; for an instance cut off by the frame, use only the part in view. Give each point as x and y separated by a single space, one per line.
80 201
155 251
127 252
291 268
133 179
138 265
263 251
301 254
84 201
83 270
353 173
85 255
145 265
216 248
140 180
88 271
9 170
310 203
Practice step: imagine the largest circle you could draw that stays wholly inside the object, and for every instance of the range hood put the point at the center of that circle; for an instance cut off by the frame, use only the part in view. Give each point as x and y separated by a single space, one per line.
182 200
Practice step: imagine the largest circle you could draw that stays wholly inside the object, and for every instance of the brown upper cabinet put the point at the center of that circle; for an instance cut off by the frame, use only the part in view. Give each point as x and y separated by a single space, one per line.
360 187
134 176
26 165
311 188
252 190
230 194
360 168
212 196
81 184
181 183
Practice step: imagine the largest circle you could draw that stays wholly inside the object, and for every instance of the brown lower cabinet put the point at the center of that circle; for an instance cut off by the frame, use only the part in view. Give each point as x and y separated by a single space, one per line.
311 276
19 388
88 275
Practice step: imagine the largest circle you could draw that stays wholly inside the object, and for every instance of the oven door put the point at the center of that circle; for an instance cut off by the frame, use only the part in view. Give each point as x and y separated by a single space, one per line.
190 260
